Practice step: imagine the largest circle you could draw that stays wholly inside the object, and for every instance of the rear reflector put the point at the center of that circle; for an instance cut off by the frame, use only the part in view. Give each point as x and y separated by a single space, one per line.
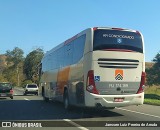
138 32
142 84
95 28
91 87
11 91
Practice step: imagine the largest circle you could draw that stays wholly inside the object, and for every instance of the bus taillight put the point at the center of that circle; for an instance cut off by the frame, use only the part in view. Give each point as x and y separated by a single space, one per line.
91 87
95 28
138 32
142 84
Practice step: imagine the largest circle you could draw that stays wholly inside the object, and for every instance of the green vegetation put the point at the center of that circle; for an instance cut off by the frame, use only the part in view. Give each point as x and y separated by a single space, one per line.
153 72
20 70
152 91
152 102
152 95
31 63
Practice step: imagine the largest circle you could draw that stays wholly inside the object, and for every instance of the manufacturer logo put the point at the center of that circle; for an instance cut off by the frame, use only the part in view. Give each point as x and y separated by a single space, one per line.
119 40
119 74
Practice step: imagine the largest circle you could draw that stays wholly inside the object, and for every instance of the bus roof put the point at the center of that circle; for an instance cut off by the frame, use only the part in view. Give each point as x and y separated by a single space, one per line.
83 32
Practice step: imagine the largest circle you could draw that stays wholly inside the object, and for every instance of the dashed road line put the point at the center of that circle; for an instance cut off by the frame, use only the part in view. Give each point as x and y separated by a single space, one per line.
26 99
138 112
75 124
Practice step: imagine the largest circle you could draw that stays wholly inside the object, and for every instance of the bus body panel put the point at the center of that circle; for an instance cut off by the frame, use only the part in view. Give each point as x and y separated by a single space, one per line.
107 84
76 84
117 77
71 76
108 101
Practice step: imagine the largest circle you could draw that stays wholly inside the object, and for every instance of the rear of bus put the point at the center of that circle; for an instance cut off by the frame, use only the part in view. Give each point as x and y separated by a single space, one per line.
116 76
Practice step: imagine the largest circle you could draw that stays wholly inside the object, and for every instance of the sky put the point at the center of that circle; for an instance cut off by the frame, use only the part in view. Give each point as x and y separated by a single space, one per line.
31 24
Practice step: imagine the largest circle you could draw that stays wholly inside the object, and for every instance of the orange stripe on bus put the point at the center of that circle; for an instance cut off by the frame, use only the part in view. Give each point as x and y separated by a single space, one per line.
62 79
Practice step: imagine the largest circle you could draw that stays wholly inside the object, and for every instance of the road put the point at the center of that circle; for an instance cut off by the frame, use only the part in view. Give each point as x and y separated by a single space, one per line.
33 108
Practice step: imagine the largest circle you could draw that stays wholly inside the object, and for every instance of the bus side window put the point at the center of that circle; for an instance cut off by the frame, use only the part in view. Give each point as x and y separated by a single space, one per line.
78 48
68 58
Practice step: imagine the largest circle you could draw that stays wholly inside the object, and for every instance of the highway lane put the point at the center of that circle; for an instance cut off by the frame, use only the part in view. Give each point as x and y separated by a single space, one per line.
32 107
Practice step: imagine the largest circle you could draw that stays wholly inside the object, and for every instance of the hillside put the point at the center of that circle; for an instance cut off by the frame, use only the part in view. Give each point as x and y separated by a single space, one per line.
3 62
149 65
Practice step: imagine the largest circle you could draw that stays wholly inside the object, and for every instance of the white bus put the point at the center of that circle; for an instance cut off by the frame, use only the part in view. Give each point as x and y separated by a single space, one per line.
98 67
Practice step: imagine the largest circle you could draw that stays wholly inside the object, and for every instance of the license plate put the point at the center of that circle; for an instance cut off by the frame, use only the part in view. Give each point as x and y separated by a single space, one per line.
3 95
118 99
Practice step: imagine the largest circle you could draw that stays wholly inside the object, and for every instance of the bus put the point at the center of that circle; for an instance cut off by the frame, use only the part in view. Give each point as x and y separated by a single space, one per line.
98 67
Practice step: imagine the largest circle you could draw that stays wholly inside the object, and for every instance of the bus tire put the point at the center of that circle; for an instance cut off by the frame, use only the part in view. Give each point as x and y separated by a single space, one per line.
45 99
110 108
66 100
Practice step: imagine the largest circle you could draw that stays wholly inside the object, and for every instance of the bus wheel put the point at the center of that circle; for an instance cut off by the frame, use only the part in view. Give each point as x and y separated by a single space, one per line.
66 100
45 99
110 108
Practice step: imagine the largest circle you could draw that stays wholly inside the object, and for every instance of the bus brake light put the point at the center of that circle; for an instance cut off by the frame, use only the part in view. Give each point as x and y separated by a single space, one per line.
142 84
91 87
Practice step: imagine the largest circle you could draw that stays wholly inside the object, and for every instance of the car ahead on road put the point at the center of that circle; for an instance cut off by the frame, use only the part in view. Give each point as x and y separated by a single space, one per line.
6 90
31 89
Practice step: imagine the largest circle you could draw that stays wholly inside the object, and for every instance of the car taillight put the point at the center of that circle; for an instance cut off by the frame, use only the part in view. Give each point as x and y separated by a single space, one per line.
142 84
91 87
11 91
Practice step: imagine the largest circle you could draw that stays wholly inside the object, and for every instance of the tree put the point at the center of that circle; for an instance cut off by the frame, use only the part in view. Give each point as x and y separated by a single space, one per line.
153 73
13 72
15 56
31 62
2 79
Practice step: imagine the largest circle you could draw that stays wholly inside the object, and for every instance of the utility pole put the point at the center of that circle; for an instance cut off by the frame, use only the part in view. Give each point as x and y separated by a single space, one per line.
17 76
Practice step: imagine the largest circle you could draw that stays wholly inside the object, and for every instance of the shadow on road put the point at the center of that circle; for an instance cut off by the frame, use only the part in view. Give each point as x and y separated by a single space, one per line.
24 95
40 110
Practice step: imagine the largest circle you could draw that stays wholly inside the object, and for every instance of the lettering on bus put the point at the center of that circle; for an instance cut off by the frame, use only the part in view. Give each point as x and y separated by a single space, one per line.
118 36
118 85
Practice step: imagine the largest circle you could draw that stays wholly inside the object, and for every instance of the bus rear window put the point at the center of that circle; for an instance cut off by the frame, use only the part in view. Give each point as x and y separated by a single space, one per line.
117 39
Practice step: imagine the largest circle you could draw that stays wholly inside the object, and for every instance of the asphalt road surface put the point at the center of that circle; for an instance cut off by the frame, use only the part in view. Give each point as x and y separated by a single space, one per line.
32 108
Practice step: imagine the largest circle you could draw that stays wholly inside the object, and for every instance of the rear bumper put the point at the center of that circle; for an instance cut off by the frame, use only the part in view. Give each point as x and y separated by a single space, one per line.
6 95
31 92
93 100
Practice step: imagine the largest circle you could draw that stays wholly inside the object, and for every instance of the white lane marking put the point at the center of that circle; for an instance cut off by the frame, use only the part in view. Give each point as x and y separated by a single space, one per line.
26 99
75 124
138 112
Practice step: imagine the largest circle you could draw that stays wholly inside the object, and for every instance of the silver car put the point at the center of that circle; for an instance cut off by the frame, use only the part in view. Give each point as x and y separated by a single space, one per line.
31 89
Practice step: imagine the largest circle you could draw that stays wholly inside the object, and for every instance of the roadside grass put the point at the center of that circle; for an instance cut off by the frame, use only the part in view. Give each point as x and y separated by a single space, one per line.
152 102
152 95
